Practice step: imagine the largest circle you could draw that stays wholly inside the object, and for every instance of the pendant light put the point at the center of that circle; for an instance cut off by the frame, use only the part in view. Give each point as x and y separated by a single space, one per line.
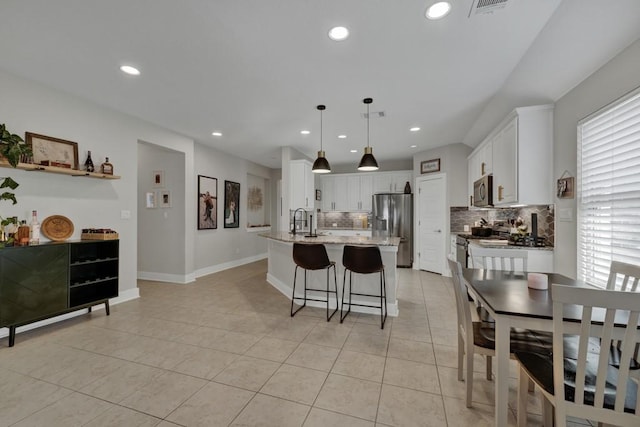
368 162
321 165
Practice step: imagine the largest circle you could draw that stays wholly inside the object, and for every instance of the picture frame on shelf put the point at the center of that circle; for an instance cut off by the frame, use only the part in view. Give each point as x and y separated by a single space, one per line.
158 179
207 203
50 151
231 204
165 199
429 166
150 199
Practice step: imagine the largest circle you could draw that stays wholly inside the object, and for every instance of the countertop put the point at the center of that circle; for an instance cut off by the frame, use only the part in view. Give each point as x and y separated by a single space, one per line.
284 236
515 247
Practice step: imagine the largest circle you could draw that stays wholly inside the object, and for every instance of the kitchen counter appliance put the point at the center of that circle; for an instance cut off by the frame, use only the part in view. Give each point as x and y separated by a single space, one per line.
483 192
393 217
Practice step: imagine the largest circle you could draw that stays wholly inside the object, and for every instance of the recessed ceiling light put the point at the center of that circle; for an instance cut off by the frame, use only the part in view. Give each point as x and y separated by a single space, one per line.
128 69
438 10
354 151
216 134
342 136
305 132
413 146
414 129
338 33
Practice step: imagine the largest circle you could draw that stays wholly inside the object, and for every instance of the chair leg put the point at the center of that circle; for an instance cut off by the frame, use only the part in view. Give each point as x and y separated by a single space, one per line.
469 374
293 296
335 282
548 414
344 283
523 382
460 357
488 368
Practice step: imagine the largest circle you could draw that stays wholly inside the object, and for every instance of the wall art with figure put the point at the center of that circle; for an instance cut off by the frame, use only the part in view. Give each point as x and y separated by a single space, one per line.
207 203
231 204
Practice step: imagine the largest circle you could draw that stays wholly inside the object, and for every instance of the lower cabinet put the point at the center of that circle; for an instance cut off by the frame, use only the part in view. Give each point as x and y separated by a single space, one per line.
46 280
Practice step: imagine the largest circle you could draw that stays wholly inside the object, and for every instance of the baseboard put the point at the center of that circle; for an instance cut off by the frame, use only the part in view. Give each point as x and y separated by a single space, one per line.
227 265
284 289
128 295
164 277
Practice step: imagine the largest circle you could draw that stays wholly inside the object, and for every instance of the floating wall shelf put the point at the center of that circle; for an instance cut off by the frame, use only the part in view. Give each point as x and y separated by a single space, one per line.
62 171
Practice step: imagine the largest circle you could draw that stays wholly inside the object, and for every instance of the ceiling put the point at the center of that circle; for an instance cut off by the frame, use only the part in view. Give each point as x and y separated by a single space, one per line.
255 70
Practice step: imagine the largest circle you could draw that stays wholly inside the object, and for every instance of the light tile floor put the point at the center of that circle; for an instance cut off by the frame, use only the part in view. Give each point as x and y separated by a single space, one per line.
224 351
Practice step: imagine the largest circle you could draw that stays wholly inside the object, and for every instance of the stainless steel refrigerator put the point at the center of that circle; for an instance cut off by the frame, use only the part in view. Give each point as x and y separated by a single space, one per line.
392 216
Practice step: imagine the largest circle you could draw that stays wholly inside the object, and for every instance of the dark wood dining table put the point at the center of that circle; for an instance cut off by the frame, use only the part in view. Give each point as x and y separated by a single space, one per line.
511 303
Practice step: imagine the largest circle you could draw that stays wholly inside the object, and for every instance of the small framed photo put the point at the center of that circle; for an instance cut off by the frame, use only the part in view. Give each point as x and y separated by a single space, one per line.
318 195
428 166
50 151
231 204
158 179
150 199
565 188
165 199
207 203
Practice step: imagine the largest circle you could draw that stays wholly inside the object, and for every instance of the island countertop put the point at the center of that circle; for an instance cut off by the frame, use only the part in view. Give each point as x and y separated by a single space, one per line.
285 236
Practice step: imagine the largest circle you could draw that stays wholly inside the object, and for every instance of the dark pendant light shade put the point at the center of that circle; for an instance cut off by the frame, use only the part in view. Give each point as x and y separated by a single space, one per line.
368 162
321 165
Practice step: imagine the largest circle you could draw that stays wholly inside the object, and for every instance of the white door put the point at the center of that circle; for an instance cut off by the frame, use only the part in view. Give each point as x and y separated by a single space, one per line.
431 216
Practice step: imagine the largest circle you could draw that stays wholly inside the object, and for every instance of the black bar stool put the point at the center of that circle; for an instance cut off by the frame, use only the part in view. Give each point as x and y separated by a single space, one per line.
364 260
313 257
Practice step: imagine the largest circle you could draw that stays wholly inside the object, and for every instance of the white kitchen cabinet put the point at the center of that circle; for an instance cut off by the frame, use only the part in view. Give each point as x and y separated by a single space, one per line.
334 196
479 163
391 182
359 191
301 185
522 150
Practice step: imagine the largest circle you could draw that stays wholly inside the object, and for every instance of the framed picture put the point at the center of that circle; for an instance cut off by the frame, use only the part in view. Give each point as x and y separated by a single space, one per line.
231 204
318 195
566 188
50 151
150 199
207 203
158 179
428 166
165 199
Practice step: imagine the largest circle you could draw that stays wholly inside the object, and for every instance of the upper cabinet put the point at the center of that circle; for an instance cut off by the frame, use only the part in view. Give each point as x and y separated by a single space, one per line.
353 192
301 185
520 158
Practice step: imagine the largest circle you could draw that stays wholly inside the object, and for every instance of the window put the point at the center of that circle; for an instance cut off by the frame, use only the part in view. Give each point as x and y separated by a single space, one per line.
609 189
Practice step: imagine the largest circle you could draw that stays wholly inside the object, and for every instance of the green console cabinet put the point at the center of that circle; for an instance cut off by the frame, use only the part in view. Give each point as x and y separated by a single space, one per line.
42 281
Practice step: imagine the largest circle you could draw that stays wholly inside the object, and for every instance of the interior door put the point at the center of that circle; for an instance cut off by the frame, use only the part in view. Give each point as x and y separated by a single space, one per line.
431 220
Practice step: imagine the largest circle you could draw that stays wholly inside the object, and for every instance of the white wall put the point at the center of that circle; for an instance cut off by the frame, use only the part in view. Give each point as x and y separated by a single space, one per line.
617 77
161 230
453 161
28 106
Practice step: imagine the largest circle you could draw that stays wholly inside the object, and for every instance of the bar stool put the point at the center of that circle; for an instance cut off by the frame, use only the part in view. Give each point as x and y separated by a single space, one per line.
364 260
313 257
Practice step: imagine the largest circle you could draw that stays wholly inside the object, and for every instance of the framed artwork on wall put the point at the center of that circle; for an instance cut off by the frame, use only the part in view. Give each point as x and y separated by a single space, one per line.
50 151
165 199
231 204
158 179
207 203
429 166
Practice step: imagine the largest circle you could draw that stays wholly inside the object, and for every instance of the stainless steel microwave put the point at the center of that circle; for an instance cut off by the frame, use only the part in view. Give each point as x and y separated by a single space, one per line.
483 192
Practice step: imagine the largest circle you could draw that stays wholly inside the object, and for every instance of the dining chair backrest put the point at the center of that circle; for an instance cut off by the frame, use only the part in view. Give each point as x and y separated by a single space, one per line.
498 259
462 303
588 400
627 275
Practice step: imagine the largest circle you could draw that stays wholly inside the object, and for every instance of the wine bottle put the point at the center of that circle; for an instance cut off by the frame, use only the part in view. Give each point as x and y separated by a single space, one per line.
22 237
107 168
34 229
88 164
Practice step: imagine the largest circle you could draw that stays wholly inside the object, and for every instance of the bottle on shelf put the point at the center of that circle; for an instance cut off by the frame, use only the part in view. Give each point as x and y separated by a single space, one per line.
22 237
107 168
34 228
88 164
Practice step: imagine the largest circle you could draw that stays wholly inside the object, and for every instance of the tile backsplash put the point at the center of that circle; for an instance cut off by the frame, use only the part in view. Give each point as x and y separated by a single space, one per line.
344 219
461 216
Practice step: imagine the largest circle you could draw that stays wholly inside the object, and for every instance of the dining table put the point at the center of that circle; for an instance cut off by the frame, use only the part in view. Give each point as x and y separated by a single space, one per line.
511 303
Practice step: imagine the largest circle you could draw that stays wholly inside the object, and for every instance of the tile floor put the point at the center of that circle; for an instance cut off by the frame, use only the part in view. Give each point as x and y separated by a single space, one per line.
224 351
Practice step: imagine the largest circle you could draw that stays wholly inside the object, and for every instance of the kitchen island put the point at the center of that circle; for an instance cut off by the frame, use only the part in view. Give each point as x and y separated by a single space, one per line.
281 268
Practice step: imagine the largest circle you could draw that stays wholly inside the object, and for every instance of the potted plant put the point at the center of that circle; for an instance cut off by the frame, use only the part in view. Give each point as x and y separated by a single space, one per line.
12 148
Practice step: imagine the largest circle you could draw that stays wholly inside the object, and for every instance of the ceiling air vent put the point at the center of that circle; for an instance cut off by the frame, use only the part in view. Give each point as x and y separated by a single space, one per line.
374 115
483 7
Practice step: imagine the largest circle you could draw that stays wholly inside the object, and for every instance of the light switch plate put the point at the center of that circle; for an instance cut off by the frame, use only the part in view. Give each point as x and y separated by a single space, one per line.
125 214
565 214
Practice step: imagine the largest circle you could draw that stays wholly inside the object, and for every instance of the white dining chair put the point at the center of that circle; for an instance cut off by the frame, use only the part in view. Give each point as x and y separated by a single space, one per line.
478 337
591 387
498 258
626 275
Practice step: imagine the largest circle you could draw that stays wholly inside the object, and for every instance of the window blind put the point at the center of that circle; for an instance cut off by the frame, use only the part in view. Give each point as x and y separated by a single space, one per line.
608 189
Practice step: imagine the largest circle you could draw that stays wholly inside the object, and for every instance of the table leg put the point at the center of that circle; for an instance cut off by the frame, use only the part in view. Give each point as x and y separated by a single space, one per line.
502 371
